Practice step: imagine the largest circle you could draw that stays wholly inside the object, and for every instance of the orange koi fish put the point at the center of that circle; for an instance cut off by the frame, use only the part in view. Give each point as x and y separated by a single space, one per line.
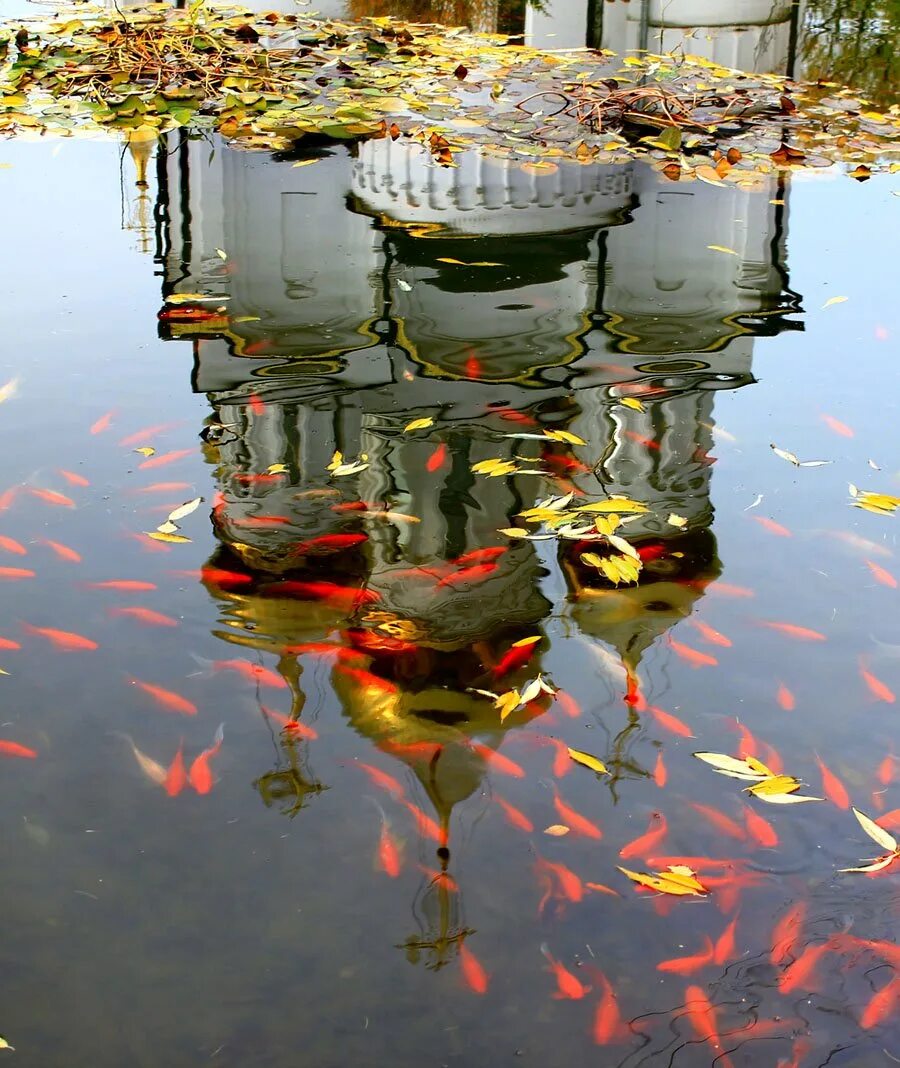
567 883
562 763
660 774
728 589
836 425
481 556
146 433
747 745
798 974
217 576
608 1024
165 458
886 770
256 673
689 965
256 404
176 774
803 634
890 820
832 786
288 725
691 656
568 704
165 487
576 822
701 1015
879 690
771 526
369 680
424 751
720 821
144 615
329 543
497 761
72 478
64 640
882 1005
167 699
657 829
442 878
514 816
200 776
425 825
7 497
468 574
8 643
515 657
262 478
13 749
725 949
568 986
648 443
511 415
669 722
62 551
102 423
710 633
437 459
760 830
52 497
260 521
472 366
388 850
881 575
345 598
382 779
786 698
10 545
124 585
473 973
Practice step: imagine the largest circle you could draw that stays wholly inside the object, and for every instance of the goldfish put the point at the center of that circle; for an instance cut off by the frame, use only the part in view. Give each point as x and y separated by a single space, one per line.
64 640
72 478
881 575
262 676
176 774
698 863
882 1005
468 574
62 551
832 786
424 751
102 423
724 949
786 698
346 598
657 830
562 763
10 545
351 506
660 774
568 884
803 634
710 633
369 680
648 443
165 487
256 404
326 651
382 779
608 1025
728 589
7 497
290 726
8 643
670 722
124 585
701 1015
481 556
218 576
425 825
200 776
837 426
442 879
154 771
862 545
497 761
144 615
511 415
568 704
760 830
260 521
876 687
567 985
771 526
692 656
516 657
329 543
437 459
886 770
388 850
514 816
689 965
475 976
720 821
167 699
798 973
576 822
165 458
13 749
145 433
52 497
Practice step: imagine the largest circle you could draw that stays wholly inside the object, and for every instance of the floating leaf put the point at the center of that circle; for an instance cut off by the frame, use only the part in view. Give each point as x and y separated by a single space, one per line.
418 424
834 300
633 403
722 248
146 450
678 521
676 880
184 510
878 834
557 830
564 435
172 539
507 702
588 761
735 767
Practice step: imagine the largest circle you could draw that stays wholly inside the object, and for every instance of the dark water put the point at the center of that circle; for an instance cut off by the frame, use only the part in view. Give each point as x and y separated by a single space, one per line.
255 924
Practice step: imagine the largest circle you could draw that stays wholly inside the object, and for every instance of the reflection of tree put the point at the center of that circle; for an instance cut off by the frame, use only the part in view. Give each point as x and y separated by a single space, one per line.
854 42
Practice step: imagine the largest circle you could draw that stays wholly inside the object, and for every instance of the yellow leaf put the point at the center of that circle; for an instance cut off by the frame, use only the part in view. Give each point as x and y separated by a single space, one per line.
167 528
222 254
734 767
172 539
722 248
305 162
564 435
146 450
676 521
633 403
833 300
507 702
277 469
675 881
418 424
522 642
876 833
557 830
588 761
615 504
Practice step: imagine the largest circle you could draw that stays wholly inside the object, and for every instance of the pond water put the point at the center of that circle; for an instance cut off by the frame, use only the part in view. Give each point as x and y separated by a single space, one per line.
368 867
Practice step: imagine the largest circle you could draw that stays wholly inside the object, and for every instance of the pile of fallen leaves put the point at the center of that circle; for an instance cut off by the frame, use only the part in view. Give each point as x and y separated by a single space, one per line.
266 81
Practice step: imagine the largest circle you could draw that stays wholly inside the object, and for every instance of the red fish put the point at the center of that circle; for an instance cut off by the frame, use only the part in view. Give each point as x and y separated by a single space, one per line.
473 973
64 640
837 426
608 1024
689 965
260 521
72 478
256 404
514 816
176 774
728 589
879 690
701 1015
771 526
720 821
882 1005
562 762
200 776
886 770
568 986
7 497
329 543
651 552
669 722
10 545
832 787
437 459
14 573
345 598
648 443
165 487
760 830
881 575
382 779
497 761
165 458
8 643
125 585
575 821
388 850
476 573
145 433
798 974
568 884
657 830
13 749
424 751
710 633
369 680
660 774
290 726
803 634
167 699
425 825
472 366
52 497
102 423
633 695
724 950
217 576
262 676
786 698
516 657
568 704
144 615
481 556
692 656
513 416
62 551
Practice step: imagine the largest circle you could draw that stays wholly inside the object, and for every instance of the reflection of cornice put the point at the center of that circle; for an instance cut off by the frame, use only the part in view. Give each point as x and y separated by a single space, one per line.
644 346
